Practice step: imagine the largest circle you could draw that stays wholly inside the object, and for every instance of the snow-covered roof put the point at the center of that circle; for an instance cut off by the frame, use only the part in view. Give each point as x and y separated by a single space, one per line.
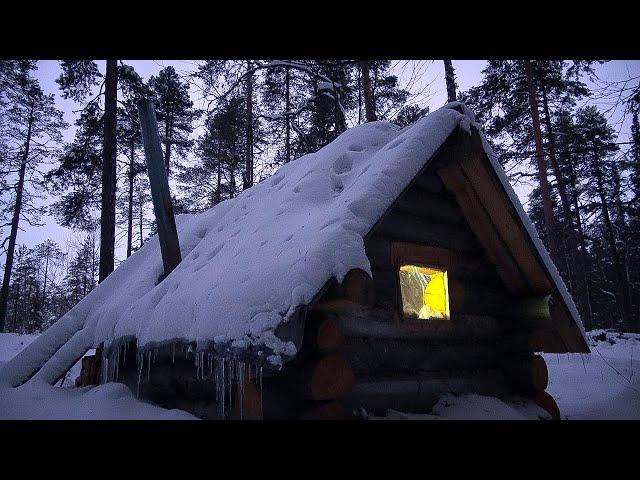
249 262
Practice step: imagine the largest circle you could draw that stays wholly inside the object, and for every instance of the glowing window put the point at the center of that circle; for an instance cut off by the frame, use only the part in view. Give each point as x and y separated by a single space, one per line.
424 292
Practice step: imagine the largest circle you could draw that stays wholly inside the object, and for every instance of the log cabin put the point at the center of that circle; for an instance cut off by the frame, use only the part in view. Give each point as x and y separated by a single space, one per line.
403 267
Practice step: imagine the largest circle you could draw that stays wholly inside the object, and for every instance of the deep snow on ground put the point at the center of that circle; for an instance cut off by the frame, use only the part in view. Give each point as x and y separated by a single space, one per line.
602 385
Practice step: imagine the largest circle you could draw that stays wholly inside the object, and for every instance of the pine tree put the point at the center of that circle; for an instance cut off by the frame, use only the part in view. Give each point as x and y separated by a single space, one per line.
598 137
77 179
82 271
410 114
130 143
450 79
35 126
175 113
76 82
214 177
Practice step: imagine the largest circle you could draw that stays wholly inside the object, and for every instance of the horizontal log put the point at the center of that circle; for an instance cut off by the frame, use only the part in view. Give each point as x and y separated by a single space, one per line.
430 183
418 394
382 323
410 228
369 357
330 336
357 287
526 375
378 250
356 290
545 401
434 207
332 378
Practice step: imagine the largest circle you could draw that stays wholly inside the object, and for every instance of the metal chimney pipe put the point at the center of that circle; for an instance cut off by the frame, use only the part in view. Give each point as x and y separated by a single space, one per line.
162 206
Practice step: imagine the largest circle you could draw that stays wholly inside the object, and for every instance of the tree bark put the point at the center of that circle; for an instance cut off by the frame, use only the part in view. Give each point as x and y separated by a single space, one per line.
450 78
167 144
576 259
621 280
369 101
108 204
248 174
141 218
15 221
287 119
46 272
130 199
545 189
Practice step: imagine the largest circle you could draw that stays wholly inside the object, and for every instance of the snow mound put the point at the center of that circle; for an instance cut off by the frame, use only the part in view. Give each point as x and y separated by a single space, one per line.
473 407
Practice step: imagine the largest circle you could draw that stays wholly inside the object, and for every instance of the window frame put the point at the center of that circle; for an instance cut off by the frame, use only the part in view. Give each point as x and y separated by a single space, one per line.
418 255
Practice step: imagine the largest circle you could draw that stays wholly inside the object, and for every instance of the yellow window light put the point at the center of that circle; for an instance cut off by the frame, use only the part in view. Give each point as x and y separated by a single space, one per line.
424 292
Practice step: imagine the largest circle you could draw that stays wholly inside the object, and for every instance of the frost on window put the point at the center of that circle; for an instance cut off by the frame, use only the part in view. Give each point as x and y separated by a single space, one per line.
424 292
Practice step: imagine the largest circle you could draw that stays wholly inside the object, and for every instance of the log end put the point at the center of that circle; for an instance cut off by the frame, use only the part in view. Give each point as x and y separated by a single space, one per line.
545 401
330 335
332 378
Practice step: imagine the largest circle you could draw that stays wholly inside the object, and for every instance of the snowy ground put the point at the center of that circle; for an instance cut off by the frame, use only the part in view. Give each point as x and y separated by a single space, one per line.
602 385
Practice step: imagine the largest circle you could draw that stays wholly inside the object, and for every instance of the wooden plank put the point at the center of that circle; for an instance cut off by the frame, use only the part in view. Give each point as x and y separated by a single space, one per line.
381 323
434 207
405 227
374 356
502 213
482 226
419 393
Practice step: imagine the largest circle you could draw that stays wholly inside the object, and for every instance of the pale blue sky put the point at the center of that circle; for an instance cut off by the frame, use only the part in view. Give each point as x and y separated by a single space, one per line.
429 82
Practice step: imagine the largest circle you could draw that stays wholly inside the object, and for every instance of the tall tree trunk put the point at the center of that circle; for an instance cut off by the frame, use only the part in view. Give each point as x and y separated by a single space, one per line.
369 101
577 269
248 174
581 238
545 189
621 280
132 174
287 118
450 79
15 221
167 144
46 271
108 204
359 97
141 218
217 198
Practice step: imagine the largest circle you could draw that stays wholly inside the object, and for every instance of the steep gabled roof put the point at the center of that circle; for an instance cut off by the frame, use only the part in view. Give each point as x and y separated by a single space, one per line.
249 262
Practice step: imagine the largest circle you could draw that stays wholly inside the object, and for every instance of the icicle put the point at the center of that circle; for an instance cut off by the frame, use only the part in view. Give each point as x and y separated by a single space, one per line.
241 392
173 353
117 364
261 410
140 363
149 366
223 390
